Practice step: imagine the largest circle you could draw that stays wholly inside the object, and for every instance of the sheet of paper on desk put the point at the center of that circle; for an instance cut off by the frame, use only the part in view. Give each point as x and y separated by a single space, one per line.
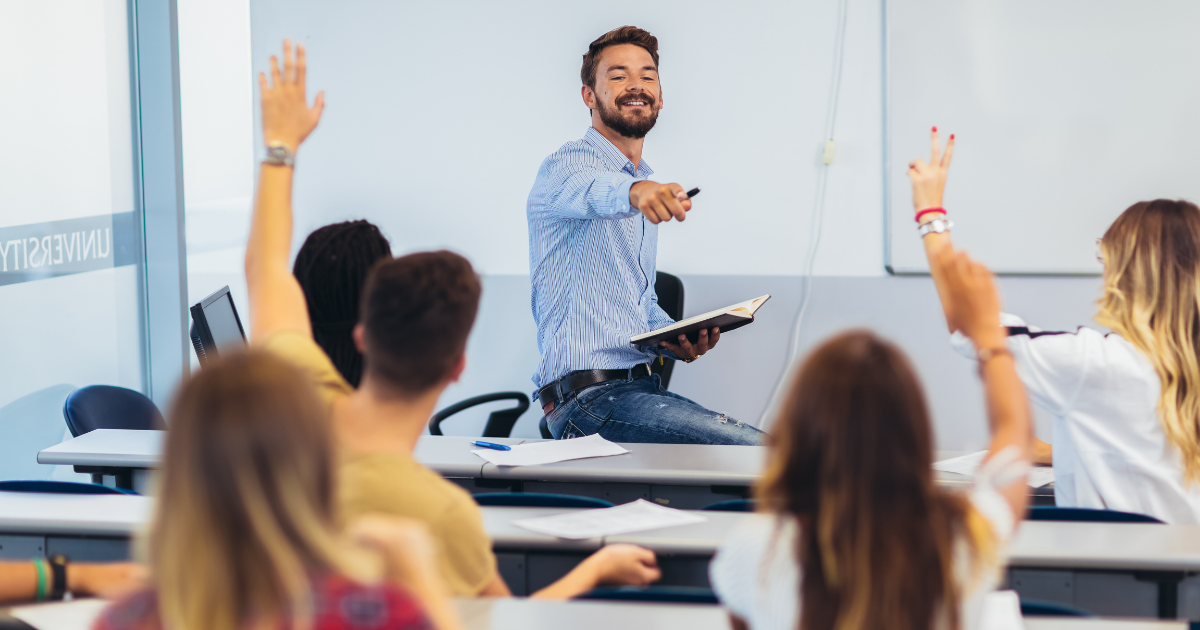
74 615
968 464
638 516
539 453
1001 611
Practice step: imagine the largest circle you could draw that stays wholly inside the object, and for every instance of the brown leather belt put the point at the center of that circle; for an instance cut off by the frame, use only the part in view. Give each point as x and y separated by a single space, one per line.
558 390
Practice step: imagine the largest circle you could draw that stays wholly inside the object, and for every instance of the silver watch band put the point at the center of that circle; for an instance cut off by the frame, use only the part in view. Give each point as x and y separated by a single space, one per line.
279 155
936 226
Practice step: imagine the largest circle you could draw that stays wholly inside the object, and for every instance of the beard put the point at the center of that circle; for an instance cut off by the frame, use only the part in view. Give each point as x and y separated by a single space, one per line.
632 124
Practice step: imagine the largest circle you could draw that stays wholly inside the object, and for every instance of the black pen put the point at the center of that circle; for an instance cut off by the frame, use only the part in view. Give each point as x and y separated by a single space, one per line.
693 192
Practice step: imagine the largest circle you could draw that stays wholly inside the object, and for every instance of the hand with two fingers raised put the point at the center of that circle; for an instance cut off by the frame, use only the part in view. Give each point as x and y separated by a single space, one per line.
929 179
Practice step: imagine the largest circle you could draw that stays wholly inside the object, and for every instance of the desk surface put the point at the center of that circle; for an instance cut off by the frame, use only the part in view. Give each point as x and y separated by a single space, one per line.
73 514
451 456
1067 623
535 614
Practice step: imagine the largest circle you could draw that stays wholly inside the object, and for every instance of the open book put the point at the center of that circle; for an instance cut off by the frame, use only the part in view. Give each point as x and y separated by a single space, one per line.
727 319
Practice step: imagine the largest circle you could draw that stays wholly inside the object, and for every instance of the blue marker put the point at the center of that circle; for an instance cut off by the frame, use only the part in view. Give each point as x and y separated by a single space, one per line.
498 447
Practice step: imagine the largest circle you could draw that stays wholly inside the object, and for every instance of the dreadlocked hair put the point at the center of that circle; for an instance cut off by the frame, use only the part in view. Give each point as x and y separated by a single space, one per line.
331 268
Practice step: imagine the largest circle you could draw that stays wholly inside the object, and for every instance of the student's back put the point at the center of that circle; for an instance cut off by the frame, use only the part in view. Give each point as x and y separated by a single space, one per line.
854 534
244 533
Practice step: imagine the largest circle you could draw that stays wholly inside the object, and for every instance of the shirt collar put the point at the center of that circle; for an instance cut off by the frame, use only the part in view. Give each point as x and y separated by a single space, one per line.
613 156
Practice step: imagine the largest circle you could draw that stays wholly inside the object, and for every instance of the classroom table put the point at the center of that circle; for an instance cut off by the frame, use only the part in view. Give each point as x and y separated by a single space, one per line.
1128 569
684 476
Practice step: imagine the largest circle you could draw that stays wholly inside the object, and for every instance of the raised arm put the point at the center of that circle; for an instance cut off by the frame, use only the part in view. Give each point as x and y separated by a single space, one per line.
928 185
276 300
970 297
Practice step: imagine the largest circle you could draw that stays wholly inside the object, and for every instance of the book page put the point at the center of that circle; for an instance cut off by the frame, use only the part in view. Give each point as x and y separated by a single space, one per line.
968 464
78 614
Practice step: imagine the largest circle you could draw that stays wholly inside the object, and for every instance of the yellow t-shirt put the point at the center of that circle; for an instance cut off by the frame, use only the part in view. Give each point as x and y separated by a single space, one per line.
396 484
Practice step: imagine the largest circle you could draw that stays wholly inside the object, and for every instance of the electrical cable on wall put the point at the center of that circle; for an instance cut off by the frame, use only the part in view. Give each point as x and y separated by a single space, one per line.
818 213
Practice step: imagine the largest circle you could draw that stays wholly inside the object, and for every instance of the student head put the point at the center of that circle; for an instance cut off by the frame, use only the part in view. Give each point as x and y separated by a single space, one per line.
1151 298
245 512
850 458
417 312
332 268
620 81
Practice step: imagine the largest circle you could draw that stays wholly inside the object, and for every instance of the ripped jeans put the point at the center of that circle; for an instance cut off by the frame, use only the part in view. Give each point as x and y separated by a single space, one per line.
641 411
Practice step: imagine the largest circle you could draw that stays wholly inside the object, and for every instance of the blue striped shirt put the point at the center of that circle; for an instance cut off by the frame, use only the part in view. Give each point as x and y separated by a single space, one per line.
591 261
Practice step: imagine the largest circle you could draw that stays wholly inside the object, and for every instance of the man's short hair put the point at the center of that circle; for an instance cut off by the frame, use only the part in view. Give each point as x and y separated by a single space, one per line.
417 312
617 36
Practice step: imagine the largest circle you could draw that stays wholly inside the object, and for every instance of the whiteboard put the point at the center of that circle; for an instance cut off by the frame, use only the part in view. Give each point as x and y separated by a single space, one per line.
1065 112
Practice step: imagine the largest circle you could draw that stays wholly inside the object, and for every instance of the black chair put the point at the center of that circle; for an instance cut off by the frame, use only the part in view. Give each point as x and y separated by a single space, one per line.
1086 515
1039 608
669 289
499 424
107 407
59 487
539 499
732 505
672 594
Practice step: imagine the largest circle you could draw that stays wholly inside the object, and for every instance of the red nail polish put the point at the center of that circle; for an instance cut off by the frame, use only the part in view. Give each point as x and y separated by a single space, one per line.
935 130
951 136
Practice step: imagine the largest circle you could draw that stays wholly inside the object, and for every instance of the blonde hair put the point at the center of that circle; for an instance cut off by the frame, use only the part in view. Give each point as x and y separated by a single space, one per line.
245 515
1152 299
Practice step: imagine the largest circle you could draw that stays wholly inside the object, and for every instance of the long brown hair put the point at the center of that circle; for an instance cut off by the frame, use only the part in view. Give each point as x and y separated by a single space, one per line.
1152 299
850 459
245 514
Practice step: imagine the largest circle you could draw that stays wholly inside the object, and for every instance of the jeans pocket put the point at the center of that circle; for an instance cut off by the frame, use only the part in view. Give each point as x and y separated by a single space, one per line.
588 395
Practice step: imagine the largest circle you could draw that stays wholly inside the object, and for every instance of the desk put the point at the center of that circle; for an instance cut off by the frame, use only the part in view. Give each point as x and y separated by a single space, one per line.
532 614
86 528
685 476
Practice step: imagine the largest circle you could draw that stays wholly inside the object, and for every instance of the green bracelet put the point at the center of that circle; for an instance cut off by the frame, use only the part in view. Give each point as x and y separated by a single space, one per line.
40 565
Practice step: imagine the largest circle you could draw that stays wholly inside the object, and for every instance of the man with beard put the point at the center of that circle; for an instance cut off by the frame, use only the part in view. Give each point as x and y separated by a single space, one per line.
593 239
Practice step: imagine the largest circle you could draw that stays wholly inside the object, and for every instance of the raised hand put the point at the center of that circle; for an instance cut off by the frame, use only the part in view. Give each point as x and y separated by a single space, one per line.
929 180
286 117
660 202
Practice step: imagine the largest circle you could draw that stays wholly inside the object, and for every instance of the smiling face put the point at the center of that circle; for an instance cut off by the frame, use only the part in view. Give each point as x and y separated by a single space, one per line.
626 94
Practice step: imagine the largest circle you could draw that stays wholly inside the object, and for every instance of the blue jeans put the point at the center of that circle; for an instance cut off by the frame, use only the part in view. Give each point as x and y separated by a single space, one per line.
640 410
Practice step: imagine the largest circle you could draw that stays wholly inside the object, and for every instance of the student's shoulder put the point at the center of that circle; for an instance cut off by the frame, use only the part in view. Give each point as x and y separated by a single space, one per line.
136 611
299 349
343 603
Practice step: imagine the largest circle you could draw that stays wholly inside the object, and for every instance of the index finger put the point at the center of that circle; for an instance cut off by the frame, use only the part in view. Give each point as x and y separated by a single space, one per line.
935 149
289 62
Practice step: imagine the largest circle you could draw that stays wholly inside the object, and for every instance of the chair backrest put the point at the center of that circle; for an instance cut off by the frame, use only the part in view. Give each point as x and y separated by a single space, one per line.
108 407
500 422
1039 608
59 487
1050 513
539 499
544 429
669 290
732 505
674 594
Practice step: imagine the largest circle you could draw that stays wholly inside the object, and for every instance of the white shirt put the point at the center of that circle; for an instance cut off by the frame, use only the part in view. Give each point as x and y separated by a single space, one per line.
756 577
1110 450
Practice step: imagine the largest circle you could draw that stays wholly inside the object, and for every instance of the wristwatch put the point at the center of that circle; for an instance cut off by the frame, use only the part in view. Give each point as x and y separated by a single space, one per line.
279 154
58 571
936 226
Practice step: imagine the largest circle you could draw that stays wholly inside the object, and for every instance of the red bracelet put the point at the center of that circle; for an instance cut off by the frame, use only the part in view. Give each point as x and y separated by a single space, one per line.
927 211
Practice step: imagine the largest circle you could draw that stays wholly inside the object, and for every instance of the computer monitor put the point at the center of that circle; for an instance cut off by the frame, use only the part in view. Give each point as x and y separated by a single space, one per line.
216 327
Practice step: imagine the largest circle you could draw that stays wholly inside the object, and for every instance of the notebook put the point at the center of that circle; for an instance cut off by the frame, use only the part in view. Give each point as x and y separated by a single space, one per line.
727 319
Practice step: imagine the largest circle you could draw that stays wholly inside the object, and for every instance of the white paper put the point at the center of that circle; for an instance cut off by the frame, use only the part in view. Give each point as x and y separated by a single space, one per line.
638 516
968 464
1001 611
538 453
79 614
